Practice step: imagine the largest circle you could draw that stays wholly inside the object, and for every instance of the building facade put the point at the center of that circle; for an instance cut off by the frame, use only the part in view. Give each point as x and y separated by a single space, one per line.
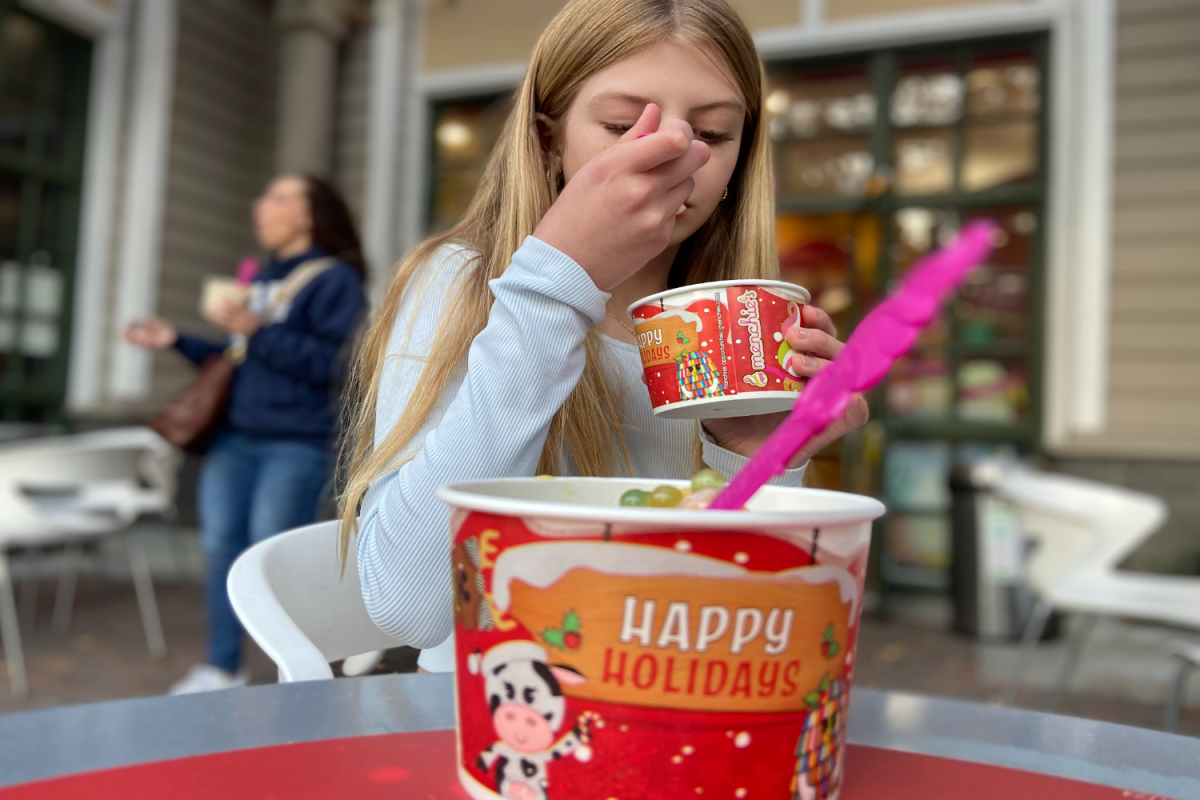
1076 123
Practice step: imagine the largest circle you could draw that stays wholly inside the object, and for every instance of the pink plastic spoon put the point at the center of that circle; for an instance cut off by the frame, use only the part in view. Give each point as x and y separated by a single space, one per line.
882 337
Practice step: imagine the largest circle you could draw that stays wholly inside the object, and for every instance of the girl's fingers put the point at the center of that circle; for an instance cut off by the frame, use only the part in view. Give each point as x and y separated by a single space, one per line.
814 341
677 195
813 317
647 123
670 142
805 366
684 167
858 412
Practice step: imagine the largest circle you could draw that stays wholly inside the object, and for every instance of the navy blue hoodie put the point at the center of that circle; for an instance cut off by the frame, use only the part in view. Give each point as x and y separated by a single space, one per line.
285 387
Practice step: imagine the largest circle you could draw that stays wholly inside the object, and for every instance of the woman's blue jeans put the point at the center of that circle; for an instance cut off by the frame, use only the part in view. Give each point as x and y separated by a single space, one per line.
250 489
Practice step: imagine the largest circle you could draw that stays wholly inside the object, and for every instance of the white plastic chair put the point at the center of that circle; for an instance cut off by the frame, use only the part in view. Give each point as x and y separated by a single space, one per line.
1083 530
139 476
1188 654
291 599
67 489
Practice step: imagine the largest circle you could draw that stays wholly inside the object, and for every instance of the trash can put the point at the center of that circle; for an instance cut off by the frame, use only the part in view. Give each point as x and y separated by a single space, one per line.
991 599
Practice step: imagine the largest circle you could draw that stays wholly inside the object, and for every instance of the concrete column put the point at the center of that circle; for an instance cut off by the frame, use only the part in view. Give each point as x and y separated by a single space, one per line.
393 45
309 32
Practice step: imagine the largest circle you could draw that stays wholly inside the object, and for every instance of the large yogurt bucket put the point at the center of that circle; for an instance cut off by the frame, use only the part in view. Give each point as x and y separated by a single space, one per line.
717 349
614 652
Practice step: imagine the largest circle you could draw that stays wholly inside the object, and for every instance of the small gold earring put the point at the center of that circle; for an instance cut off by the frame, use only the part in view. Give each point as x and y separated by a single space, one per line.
548 183
726 195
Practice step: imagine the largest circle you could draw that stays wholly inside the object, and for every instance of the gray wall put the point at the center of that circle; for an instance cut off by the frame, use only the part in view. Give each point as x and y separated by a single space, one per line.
1175 548
350 130
1154 380
222 140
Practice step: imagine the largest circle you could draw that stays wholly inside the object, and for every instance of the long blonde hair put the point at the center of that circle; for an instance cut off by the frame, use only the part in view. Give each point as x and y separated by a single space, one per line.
737 241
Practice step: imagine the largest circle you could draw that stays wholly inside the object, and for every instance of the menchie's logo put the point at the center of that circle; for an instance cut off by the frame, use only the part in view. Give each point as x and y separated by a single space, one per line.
749 319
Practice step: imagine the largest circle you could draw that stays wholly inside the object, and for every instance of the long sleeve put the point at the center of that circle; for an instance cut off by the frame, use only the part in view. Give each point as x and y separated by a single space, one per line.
491 421
196 349
309 353
728 462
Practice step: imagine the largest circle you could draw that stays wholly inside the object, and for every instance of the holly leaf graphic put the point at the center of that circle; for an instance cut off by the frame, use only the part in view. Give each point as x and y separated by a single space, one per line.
823 686
554 638
828 633
833 649
571 622
812 699
679 337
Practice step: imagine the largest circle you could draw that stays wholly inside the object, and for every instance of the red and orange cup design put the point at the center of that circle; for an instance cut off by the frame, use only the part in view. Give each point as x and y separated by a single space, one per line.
718 349
607 651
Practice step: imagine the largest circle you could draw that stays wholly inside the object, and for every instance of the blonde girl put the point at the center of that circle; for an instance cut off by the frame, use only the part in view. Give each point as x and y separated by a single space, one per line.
634 160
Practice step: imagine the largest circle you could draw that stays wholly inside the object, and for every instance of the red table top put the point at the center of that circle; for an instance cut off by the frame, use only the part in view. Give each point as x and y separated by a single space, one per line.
421 765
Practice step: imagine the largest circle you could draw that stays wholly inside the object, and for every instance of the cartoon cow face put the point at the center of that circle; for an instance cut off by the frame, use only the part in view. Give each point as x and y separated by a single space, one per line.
525 695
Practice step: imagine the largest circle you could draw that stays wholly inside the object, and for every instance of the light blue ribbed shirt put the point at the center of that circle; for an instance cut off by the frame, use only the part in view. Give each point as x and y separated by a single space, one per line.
491 421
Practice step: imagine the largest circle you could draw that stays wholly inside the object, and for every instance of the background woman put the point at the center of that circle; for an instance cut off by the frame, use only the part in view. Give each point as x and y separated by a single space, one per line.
267 468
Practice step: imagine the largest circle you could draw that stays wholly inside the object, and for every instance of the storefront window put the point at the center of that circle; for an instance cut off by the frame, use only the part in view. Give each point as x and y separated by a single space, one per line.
926 140
464 134
818 121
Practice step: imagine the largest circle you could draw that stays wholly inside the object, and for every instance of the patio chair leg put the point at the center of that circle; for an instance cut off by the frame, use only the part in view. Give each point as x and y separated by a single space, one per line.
1082 632
1175 704
68 580
10 632
1029 639
29 592
139 565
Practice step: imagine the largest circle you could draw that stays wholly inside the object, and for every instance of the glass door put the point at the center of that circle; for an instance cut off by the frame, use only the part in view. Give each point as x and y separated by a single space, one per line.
43 105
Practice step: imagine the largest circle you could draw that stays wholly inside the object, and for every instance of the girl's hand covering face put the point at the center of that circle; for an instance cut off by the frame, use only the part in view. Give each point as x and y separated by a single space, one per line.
618 211
817 343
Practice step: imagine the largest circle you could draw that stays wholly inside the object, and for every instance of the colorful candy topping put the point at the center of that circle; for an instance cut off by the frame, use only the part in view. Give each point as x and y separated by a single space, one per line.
665 497
635 497
705 485
707 479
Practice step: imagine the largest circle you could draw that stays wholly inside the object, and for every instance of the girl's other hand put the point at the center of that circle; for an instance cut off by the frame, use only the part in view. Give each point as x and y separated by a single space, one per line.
814 344
151 333
233 318
618 211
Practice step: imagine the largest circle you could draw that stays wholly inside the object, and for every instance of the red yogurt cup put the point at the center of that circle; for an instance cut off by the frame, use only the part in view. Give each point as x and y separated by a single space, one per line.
606 651
717 349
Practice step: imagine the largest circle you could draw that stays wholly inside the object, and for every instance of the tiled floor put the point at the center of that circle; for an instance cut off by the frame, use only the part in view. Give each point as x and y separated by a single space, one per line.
1123 678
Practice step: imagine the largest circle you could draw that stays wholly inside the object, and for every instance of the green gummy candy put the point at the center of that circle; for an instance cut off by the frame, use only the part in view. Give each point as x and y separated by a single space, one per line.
707 479
665 497
635 497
